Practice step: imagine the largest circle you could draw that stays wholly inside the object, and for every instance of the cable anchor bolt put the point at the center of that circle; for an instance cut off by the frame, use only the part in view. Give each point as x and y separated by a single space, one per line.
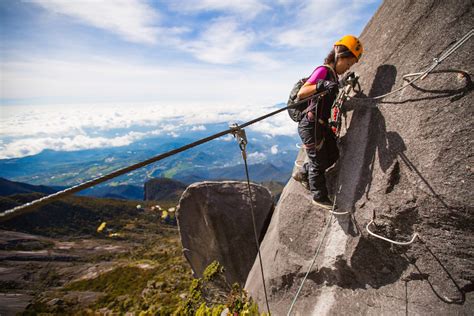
241 137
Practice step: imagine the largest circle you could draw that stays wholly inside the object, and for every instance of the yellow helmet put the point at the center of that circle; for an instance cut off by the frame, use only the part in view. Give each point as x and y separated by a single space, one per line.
353 44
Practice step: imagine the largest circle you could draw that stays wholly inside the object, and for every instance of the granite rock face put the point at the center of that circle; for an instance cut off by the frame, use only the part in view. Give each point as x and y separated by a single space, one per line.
408 160
215 223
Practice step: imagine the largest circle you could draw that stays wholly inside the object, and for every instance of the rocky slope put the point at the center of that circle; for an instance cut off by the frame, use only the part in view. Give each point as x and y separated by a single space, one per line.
135 265
408 160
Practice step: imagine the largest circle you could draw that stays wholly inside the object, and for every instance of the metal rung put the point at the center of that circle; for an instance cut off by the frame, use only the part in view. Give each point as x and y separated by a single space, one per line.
402 243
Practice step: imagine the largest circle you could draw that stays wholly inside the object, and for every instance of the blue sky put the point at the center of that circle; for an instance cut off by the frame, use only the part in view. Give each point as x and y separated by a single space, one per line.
183 53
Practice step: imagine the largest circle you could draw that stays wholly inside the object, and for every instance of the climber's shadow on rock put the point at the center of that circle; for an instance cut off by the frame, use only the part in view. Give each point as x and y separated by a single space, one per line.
373 262
390 145
387 144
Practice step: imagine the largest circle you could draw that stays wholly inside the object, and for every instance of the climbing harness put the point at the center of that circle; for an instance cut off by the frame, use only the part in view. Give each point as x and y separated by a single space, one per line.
352 83
422 75
402 243
314 258
241 138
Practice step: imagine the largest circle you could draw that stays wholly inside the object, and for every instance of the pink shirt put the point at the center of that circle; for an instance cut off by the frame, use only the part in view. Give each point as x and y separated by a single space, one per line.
319 73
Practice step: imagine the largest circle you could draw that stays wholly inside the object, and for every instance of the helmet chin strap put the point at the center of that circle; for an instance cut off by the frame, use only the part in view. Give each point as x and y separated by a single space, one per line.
336 56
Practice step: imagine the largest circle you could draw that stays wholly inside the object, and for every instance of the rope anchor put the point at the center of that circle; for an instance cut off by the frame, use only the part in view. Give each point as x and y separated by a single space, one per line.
401 243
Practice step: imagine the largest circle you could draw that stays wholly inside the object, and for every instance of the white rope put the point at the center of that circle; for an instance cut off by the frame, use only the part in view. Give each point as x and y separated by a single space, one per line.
402 243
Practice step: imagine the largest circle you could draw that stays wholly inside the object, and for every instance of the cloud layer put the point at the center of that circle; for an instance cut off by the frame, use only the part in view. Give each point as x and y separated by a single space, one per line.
28 130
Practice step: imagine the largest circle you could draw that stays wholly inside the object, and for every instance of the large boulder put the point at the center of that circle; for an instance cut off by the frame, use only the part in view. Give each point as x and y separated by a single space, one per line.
215 223
408 160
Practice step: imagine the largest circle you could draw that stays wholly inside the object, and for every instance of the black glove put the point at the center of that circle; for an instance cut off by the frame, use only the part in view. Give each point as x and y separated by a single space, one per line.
326 85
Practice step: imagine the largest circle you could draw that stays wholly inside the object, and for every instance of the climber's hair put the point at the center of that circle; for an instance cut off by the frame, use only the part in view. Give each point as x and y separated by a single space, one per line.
343 52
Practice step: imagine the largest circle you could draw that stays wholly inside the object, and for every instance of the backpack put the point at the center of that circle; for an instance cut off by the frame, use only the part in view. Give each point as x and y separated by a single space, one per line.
297 113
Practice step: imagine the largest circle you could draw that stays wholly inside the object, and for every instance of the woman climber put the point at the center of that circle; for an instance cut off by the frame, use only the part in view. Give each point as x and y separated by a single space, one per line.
317 136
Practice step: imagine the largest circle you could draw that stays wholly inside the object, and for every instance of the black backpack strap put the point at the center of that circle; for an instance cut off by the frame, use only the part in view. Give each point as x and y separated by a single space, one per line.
331 73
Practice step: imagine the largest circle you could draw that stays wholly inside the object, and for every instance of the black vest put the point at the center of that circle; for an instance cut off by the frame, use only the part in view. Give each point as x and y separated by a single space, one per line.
324 104
322 109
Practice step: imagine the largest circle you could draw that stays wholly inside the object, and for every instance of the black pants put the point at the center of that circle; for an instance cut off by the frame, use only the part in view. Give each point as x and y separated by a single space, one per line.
319 160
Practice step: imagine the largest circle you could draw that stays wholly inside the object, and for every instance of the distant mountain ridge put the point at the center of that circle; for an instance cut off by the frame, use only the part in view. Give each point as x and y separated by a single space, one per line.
163 189
122 191
8 187
68 168
259 172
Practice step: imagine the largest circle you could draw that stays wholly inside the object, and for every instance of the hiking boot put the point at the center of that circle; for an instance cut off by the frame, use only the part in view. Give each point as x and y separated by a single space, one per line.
305 184
302 178
323 202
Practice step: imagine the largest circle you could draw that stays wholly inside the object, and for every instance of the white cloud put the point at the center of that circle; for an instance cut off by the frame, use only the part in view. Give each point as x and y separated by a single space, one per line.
280 124
319 23
221 42
134 20
274 149
120 81
256 157
169 127
226 138
245 8
32 146
198 128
